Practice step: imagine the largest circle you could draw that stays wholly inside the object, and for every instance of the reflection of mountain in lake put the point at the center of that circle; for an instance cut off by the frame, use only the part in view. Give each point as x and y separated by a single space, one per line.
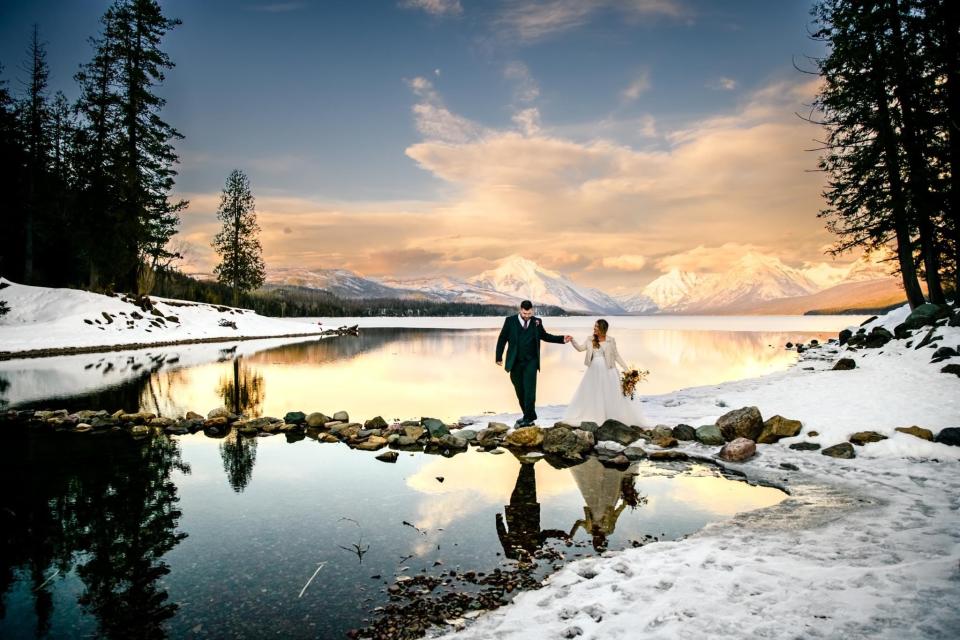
97 521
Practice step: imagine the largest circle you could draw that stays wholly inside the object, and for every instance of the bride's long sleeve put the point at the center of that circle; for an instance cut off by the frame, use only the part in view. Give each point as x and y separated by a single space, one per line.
577 345
619 360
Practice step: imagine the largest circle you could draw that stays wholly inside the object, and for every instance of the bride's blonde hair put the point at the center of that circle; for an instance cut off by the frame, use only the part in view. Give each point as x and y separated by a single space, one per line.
602 326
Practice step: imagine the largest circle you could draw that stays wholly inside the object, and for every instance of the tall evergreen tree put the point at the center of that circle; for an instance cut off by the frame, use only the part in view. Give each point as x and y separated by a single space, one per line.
36 116
241 266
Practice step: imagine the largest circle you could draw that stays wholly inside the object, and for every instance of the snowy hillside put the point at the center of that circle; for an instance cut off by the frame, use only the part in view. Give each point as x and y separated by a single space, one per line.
449 289
339 282
47 318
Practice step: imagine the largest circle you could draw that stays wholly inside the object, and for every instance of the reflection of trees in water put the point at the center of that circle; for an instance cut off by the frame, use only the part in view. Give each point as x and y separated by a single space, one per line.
4 387
238 454
607 493
106 508
243 390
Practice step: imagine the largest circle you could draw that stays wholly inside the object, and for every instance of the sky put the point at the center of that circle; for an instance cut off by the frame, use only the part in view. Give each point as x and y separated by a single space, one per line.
611 140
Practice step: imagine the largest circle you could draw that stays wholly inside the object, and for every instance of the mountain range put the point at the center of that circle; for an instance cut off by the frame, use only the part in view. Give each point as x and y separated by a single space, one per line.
755 283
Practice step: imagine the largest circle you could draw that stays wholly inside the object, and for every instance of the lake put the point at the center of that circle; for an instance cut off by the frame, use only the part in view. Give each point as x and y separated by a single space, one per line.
247 537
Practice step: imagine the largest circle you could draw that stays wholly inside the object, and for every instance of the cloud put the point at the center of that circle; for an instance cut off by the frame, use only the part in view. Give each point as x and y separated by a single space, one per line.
626 262
640 84
529 20
705 259
723 84
528 120
434 120
435 7
527 89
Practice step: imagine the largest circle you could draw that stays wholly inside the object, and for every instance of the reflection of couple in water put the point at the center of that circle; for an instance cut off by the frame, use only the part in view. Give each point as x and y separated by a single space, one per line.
606 492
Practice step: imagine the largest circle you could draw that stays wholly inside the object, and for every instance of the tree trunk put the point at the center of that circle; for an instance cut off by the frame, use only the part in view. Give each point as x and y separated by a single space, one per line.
908 271
950 25
918 184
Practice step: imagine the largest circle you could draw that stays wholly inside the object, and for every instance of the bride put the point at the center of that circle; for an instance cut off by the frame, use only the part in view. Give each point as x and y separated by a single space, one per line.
599 396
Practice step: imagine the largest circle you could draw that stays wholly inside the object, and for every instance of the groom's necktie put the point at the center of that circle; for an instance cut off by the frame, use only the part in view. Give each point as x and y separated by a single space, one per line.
525 324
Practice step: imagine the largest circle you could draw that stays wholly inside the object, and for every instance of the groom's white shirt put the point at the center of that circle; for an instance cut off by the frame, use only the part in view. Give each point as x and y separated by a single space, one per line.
520 318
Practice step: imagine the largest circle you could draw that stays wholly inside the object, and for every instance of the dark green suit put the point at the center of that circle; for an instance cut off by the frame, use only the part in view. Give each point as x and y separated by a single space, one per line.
523 358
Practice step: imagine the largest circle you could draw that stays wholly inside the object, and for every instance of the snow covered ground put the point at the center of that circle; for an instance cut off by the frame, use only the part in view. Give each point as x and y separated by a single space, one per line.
47 318
862 548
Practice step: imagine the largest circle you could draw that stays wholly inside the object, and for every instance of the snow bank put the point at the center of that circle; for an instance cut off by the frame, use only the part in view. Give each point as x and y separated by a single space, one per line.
42 318
863 548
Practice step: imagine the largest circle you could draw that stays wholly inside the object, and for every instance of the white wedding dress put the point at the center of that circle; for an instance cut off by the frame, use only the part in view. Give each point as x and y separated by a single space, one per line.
599 396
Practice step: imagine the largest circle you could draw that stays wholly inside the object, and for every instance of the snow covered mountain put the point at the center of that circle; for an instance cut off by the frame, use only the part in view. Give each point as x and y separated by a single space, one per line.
450 289
639 303
339 282
524 279
672 288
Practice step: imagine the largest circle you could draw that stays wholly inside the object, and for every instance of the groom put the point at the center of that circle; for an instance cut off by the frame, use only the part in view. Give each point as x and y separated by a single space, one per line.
523 333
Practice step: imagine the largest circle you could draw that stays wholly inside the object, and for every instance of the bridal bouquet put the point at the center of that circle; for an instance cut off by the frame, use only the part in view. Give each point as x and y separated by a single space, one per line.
629 381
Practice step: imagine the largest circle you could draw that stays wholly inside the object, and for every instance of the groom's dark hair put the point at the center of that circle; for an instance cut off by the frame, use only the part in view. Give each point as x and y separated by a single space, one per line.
526 305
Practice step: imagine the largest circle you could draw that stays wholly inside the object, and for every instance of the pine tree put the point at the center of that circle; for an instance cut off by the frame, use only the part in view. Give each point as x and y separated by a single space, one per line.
36 116
241 266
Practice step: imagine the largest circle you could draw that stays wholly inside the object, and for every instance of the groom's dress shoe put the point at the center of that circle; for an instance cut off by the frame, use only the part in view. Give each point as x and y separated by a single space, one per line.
519 423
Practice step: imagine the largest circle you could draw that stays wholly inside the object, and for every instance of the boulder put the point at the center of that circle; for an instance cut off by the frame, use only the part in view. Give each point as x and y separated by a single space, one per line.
589 426
619 461
193 416
845 364
414 433
143 417
372 444
845 335
943 353
861 438
388 456
667 456
82 427
661 431
928 339
779 427
218 421
877 338
567 442
451 441
741 423
951 368
684 432
925 315
406 441
317 420
140 431
346 431
842 450
488 438
435 427
218 413
709 434
617 432
295 417
804 446
901 331
375 423
467 434
497 427
525 437
634 453
738 450
665 442
341 416
918 432
950 436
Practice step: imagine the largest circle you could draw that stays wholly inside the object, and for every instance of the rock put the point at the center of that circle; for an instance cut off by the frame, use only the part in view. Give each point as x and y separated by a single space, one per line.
738 450
925 315
141 417
317 420
372 443
451 441
930 337
842 450
668 456
467 434
341 416
661 431
608 447
218 421
193 416
327 437
813 434
87 415
845 364
861 438
388 456
567 442
219 412
375 423
140 431
845 335
943 353
589 426
346 431
617 432
414 432
877 338
619 460
82 427
497 427
804 446
406 441
951 368
634 453
177 430
789 345
919 432
247 429
789 466
950 436
488 438
525 437
741 423
667 442
709 434
435 427
295 417
779 427
684 432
